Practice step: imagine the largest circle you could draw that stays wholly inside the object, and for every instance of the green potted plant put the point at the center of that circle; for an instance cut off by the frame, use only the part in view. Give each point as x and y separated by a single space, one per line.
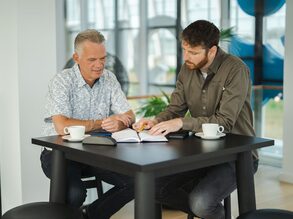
226 34
154 105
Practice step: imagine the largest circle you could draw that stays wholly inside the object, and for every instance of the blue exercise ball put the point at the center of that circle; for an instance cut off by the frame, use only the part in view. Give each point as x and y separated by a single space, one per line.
270 6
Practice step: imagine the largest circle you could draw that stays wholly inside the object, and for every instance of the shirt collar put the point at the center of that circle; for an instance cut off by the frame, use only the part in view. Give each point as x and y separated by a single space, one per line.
79 79
218 60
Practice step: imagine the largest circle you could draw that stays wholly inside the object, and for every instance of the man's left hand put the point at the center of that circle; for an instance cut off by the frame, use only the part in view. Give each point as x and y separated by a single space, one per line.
163 128
124 118
113 124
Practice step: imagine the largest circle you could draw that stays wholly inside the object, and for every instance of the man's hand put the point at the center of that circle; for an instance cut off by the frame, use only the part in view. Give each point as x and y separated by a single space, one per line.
163 128
124 118
112 124
144 124
118 122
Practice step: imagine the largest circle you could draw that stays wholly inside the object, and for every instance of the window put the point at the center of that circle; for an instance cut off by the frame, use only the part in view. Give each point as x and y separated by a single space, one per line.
143 35
121 25
268 103
197 10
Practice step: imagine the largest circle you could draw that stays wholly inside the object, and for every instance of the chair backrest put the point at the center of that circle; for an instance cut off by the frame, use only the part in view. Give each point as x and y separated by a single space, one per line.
94 182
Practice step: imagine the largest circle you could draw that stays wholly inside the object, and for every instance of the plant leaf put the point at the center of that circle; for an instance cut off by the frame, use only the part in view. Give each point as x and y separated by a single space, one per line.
226 34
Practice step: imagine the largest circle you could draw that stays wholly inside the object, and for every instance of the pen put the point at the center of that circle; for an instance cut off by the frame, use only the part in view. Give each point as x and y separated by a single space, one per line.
141 128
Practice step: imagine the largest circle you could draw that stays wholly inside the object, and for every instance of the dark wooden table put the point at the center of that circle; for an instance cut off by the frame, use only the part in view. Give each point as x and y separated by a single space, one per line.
146 161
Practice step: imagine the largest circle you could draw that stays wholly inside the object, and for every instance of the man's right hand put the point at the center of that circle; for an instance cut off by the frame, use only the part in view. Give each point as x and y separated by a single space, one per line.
144 124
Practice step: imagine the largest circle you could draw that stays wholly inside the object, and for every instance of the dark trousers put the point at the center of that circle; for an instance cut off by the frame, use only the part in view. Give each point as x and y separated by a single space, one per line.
200 191
111 201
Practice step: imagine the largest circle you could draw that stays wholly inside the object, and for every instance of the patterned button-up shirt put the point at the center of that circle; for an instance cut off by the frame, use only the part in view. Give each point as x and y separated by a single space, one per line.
69 95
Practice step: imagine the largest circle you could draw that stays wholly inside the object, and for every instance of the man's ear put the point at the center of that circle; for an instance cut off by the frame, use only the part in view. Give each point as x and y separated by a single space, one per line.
213 50
75 57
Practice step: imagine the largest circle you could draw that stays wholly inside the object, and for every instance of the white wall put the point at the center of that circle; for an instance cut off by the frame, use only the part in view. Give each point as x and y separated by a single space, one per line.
10 139
287 171
28 61
61 42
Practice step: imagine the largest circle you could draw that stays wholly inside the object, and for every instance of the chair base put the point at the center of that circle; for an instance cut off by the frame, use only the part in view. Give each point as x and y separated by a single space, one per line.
44 210
267 214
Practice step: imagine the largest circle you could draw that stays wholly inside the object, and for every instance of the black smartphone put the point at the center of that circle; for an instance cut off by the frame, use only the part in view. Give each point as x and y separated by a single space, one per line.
100 133
178 135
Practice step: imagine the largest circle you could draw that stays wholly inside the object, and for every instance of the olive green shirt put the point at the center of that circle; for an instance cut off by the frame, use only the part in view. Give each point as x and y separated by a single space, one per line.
223 97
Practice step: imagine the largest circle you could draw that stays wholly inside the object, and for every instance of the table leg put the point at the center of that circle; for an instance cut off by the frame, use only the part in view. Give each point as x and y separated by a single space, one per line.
144 195
245 182
58 177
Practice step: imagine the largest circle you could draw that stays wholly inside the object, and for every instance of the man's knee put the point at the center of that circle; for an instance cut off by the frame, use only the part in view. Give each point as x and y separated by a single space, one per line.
198 205
204 206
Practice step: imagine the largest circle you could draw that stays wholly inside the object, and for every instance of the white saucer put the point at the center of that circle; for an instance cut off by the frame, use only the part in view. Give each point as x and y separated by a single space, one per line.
200 134
68 138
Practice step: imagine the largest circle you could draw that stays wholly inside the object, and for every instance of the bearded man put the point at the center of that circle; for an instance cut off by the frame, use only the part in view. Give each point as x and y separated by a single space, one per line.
215 87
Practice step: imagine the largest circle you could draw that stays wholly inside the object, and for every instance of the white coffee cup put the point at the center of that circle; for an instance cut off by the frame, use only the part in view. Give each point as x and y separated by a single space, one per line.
211 129
76 132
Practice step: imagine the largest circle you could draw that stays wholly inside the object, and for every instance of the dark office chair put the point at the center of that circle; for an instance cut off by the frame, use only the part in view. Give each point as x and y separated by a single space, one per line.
267 214
94 183
48 210
44 210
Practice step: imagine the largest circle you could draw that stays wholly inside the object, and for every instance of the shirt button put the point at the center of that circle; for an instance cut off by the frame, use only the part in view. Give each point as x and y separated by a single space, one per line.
203 91
203 107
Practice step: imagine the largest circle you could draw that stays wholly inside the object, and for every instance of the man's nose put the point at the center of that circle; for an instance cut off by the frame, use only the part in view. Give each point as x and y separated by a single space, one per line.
99 63
185 56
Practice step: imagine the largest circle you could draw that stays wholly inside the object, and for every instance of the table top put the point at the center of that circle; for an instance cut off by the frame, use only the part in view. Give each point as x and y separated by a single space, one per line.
160 157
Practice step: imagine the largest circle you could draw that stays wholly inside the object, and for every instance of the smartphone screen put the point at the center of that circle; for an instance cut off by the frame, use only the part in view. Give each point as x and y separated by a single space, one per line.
101 133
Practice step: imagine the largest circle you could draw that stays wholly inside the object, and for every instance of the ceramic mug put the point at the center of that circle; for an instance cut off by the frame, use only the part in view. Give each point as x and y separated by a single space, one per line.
76 132
211 129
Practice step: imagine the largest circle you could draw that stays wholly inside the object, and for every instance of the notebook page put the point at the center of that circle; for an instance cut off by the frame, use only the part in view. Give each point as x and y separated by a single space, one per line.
145 136
126 135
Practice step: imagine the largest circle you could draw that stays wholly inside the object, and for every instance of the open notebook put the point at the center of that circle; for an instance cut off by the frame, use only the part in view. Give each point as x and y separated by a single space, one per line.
130 135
